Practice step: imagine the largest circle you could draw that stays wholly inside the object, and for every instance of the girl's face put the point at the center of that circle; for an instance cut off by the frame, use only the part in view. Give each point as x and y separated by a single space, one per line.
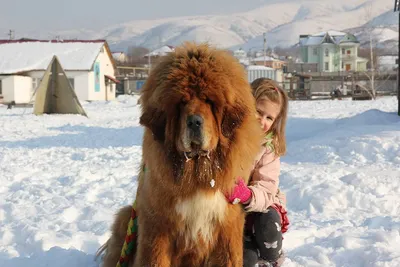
267 112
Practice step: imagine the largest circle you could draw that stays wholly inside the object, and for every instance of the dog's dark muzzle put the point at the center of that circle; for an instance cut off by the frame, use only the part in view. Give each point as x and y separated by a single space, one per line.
195 129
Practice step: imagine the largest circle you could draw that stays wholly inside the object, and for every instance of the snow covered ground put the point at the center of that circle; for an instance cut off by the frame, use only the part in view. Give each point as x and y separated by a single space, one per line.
62 177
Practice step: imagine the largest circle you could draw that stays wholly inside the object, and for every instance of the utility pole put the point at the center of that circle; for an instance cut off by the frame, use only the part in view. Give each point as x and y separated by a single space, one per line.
11 34
265 48
397 9
149 56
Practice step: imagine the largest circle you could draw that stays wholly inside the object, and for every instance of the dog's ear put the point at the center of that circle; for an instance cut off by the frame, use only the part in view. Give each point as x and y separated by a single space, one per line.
155 120
232 118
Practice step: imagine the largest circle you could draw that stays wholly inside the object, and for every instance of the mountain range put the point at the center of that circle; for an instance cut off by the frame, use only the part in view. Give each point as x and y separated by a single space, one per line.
282 21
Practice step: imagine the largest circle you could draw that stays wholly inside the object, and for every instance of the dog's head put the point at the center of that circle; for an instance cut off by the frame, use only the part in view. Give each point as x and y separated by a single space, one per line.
196 100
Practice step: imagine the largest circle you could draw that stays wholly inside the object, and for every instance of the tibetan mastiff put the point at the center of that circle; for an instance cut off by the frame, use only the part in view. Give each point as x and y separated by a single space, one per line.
201 133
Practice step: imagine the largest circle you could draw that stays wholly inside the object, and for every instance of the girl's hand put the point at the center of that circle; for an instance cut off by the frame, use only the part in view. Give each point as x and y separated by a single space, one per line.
241 193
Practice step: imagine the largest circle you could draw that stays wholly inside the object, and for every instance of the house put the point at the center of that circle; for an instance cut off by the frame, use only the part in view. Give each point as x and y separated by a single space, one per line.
270 62
162 51
254 72
332 51
88 65
154 56
119 56
240 54
242 57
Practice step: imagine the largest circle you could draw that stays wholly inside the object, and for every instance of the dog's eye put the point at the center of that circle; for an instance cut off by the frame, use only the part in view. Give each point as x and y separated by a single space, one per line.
208 101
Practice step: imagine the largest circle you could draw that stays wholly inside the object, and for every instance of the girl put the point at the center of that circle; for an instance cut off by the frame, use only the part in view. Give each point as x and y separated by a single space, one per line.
262 199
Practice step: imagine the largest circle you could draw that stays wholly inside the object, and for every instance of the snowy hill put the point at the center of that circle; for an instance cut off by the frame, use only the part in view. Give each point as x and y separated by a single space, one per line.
388 18
317 16
384 29
283 21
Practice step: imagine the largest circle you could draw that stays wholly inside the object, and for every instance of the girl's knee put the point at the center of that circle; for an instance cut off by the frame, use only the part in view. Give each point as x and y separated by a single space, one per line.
268 234
268 226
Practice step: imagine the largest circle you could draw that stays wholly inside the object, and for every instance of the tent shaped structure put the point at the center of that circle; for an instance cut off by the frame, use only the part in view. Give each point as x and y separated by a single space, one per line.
55 93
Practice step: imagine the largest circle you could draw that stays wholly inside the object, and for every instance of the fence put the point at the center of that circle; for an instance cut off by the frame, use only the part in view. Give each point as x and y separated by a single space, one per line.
129 86
255 72
306 86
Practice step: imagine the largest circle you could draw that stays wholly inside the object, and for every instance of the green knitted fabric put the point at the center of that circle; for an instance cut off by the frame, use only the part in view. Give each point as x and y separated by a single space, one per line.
268 141
132 244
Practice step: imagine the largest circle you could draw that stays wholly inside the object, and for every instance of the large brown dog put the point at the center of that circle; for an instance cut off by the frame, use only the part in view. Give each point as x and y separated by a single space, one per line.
201 134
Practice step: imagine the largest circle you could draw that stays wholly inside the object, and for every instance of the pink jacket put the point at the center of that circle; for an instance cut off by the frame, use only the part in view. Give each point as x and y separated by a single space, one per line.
264 183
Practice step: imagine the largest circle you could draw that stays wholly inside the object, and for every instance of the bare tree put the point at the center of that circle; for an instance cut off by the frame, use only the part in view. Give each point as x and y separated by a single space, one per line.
136 55
366 53
372 32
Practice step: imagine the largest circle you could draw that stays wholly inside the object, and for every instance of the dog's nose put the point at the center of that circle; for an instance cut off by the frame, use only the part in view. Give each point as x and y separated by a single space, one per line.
194 122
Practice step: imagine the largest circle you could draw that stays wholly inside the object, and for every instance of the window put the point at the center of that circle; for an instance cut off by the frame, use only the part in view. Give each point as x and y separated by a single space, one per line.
1 90
326 66
315 51
35 83
72 82
326 52
343 51
342 65
348 52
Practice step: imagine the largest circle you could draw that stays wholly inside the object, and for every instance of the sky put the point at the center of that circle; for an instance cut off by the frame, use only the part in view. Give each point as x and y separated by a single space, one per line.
27 15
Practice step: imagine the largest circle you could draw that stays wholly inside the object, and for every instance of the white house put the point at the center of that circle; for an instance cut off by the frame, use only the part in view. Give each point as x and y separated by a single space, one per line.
119 56
162 51
254 72
242 57
240 54
89 66
22 94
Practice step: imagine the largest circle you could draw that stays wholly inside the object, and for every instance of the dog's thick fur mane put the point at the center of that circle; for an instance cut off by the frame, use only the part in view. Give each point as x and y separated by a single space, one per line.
183 215
210 74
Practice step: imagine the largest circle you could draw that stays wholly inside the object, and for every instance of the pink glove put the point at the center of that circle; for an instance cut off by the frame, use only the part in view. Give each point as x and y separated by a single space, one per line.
241 193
